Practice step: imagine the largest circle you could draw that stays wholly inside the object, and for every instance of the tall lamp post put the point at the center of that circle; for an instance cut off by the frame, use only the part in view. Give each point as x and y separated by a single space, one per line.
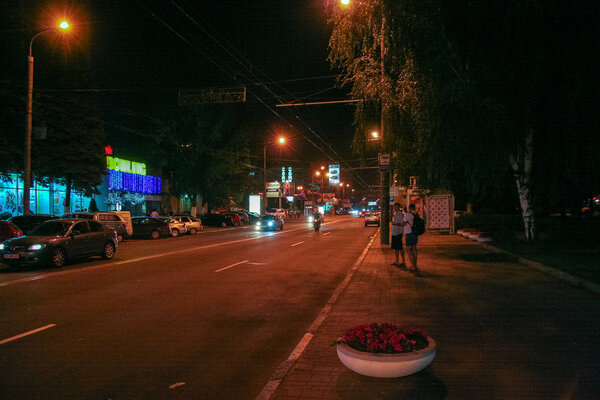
280 141
384 175
63 26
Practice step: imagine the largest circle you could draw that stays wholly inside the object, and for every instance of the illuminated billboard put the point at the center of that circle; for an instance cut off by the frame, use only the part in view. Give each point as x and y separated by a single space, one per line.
334 174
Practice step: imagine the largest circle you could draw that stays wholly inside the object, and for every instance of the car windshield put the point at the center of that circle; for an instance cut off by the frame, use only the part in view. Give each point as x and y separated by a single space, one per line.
269 217
51 229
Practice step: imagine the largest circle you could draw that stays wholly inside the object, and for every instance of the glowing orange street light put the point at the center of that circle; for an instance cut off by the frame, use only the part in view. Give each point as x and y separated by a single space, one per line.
281 141
375 135
345 2
64 26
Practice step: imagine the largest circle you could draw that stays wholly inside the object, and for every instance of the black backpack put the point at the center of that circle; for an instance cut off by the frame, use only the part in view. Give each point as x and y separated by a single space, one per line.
418 225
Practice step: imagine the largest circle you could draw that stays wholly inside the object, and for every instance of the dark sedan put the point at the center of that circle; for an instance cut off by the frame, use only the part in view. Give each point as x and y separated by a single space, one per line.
28 222
270 222
151 227
56 241
217 220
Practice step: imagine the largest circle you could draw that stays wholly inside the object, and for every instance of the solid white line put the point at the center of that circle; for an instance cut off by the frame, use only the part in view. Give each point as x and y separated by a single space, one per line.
326 233
285 366
10 339
232 265
132 260
296 244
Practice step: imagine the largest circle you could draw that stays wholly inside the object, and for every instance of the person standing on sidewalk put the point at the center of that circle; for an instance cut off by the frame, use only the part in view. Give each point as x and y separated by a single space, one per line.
397 231
411 238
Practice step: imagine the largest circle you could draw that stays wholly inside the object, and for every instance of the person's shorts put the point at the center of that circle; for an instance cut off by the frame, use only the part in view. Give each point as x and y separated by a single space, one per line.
411 239
397 242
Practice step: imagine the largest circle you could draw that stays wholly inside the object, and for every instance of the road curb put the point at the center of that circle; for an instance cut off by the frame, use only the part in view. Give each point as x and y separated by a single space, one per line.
282 370
563 276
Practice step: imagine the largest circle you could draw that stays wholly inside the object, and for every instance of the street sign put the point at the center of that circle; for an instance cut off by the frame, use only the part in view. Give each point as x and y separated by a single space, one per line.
212 96
384 162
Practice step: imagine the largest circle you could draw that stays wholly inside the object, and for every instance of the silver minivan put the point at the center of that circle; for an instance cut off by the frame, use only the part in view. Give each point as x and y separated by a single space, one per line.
109 219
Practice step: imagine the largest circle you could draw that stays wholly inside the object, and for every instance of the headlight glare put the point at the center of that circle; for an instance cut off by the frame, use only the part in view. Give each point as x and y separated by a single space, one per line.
1 246
35 247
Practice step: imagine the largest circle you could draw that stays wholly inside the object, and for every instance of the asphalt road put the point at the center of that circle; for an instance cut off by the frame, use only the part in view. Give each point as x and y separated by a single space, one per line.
209 316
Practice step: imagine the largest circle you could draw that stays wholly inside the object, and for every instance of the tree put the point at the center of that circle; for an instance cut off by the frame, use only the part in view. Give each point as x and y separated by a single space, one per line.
471 90
205 152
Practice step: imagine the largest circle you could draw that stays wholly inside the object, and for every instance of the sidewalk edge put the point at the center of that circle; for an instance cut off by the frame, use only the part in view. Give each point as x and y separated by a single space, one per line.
283 368
563 276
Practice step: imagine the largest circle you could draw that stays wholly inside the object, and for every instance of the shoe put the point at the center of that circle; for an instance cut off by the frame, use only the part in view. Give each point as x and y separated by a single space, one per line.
415 272
402 267
394 263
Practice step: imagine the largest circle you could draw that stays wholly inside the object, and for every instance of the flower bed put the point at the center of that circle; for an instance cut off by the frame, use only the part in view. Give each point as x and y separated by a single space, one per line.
384 338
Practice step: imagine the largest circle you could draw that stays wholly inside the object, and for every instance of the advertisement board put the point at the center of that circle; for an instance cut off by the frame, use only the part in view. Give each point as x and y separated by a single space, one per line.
254 203
334 174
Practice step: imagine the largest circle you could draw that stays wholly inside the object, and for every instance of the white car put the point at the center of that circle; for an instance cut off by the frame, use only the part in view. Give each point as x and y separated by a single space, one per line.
280 212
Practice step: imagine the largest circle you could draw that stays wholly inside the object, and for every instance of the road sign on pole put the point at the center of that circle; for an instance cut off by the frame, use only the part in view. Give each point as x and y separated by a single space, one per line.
384 162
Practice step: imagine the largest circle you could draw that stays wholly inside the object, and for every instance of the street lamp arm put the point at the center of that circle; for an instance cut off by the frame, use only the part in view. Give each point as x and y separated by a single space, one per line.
35 36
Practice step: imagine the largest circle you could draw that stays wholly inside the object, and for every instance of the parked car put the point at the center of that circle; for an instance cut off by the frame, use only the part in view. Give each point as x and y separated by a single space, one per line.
150 227
28 222
270 222
177 227
235 218
372 219
192 225
107 218
245 217
55 241
9 230
217 220
254 217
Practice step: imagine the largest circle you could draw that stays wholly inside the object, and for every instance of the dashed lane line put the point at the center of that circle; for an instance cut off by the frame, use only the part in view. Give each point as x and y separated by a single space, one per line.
137 259
22 335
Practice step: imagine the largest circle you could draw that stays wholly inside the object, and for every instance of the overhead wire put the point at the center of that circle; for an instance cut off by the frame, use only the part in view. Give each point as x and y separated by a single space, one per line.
251 71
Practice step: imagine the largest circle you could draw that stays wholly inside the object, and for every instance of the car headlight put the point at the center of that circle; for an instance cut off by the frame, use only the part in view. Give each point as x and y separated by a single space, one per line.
310 219
1 246
270 223
36 246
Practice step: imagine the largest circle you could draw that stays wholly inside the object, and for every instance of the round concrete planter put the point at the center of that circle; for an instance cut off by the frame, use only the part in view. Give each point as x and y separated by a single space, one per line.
380 365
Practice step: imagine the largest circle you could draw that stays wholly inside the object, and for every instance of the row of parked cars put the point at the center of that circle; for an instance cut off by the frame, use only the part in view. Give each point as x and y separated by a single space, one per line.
48 239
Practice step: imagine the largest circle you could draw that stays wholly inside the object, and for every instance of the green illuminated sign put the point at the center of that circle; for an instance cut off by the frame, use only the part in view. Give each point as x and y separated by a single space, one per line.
132 167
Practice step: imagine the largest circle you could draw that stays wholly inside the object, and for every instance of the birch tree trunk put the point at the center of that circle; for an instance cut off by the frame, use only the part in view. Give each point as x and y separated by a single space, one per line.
522 165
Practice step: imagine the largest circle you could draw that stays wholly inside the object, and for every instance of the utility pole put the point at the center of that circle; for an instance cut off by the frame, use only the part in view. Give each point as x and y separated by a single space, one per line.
384 175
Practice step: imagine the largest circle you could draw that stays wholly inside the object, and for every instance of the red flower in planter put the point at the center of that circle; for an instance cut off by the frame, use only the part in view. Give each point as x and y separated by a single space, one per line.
384 338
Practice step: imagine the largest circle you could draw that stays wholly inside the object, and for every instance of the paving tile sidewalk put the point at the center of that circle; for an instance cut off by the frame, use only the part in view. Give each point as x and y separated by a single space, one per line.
503 331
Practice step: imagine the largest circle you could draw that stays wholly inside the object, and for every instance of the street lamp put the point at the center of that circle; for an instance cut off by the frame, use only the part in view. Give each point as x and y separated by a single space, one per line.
62 26
280 141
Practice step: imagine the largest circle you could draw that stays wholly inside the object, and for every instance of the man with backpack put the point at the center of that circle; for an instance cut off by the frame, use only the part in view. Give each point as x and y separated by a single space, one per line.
413 226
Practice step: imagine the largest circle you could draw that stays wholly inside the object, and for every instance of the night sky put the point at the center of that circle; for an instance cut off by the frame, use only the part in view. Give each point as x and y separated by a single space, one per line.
137 55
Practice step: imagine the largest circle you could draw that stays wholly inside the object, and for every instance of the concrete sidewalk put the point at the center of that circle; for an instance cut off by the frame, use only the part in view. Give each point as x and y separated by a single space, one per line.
504 331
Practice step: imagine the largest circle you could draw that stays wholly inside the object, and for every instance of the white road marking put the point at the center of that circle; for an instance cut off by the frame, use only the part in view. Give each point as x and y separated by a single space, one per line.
173 386
132 260
283 368
231 266
10 339
326 233
296 244
256 263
